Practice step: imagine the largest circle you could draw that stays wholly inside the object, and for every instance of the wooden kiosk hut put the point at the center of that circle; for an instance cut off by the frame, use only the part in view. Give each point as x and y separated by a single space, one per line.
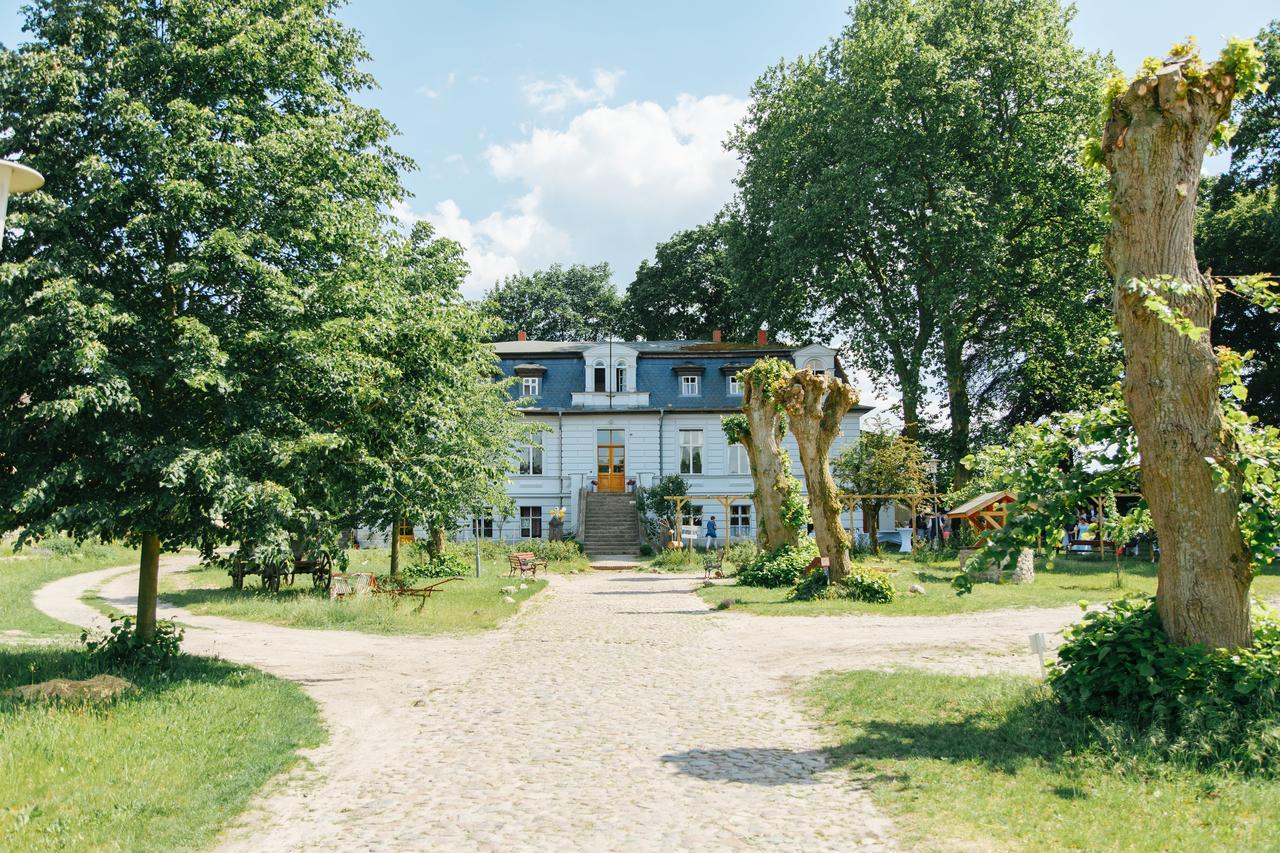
985 512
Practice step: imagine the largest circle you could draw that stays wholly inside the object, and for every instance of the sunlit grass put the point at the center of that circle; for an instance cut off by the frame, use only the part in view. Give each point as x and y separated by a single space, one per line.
988 763
1070 581
461 606
164 768
22 573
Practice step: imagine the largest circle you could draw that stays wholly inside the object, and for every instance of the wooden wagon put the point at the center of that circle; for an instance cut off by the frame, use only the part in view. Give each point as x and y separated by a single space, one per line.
273 571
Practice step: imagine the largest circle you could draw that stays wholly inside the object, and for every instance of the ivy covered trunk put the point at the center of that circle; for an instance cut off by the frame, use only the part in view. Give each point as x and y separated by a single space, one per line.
759 429
1153 146
436 542
816 405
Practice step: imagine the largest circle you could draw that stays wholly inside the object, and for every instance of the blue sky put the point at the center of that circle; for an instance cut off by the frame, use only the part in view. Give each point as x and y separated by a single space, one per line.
586 131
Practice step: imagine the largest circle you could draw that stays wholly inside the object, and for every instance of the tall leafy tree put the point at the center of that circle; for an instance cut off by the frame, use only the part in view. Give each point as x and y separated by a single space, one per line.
881 463
686 293
916 184
213 193
1238 231
574 303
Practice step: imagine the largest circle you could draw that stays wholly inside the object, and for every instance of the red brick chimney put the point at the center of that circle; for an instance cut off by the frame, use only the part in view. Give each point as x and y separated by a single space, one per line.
762 338
522 335
715 336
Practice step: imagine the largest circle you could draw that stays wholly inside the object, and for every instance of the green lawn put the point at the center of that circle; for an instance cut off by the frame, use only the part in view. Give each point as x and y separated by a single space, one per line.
21 574
986 763
1070 581
165 768
469 604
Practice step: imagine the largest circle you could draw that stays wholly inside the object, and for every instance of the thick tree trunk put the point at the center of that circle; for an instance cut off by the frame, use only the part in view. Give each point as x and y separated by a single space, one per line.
436 542
958 403
816 405
1153 146
770 469
148 585
395 549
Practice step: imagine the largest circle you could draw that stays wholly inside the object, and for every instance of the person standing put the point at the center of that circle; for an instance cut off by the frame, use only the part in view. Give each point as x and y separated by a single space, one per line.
711 533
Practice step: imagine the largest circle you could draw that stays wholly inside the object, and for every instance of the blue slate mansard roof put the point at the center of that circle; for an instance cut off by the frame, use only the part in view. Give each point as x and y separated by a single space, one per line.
563 372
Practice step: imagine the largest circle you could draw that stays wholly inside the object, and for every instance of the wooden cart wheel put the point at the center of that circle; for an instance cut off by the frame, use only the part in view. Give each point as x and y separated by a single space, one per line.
322 575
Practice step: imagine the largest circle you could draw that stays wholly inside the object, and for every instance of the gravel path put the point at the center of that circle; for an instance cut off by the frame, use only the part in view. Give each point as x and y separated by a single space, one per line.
614 713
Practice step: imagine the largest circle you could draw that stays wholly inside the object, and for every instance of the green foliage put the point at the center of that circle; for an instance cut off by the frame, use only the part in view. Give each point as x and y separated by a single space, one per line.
795 508
868 585
446 565
741 553
968 118
684 293
766 377
862 584
736 428
646 550
1211 708
575 303
121 646
779 567
561 551
677 560
653 500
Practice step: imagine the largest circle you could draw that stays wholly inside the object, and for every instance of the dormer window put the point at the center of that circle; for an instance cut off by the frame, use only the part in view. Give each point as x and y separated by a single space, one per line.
531 386
690 385
735 386
620 376
601 378
814 366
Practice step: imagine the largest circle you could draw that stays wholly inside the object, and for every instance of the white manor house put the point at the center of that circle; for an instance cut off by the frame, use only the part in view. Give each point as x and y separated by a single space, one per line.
623 415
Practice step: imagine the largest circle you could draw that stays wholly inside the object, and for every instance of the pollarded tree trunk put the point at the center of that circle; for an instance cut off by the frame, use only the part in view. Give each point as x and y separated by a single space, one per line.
816 405
436 542
770 472
1153 146
148 585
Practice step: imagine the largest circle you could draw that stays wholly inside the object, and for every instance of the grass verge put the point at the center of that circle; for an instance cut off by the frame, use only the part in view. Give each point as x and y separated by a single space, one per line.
21 574
461 606
990 763
165 767
1070 581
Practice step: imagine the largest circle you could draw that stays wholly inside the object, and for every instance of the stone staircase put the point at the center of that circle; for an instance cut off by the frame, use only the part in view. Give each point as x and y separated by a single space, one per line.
610 524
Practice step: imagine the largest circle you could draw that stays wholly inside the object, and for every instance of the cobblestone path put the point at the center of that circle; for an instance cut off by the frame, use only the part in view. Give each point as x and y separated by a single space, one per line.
614 713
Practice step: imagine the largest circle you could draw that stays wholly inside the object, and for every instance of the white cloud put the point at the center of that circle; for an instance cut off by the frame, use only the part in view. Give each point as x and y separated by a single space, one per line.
428 92
637 154
501 244
553 96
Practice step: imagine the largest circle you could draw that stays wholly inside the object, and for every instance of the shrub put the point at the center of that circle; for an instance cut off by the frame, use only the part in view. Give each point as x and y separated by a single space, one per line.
741 553
677 559
646 550
868 585
861 585
1208 707
447 565
562 551
779 567
122 647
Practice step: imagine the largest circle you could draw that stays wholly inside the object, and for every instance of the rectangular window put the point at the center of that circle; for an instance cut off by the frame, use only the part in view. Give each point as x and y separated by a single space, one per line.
531 457
619 379
530 522
690 451
530 386
599 375
738 461
735 386
482 528
740 520
406 531
690 386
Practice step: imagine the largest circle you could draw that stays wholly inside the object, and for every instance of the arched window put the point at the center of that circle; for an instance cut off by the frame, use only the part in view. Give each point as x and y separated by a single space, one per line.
600 377
813 365
620 376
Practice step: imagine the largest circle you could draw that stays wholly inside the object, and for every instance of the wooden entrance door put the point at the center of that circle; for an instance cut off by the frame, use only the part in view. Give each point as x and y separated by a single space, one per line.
611 455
